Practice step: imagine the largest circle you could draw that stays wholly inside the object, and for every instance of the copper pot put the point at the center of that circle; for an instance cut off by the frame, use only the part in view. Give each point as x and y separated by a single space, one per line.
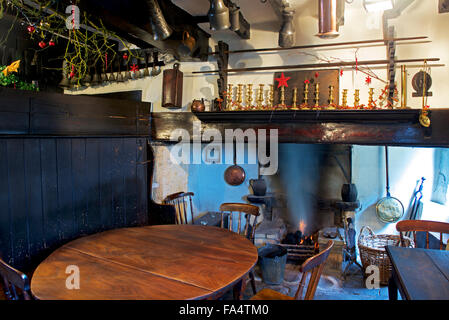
198 106
234 175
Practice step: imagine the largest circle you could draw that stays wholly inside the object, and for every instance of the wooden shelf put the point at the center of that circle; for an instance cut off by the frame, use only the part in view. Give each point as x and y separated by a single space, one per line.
358 116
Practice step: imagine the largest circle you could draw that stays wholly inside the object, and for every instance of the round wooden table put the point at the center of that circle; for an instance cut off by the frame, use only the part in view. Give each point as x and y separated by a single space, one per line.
154 262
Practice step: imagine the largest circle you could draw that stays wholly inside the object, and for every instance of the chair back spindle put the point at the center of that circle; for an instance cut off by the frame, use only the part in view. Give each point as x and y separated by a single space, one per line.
238 211
414 226
314 267
16 284
182 201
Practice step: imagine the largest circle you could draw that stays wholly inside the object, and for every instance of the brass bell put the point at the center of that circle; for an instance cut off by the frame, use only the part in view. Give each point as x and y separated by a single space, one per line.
104 77
111 77
119 77
96 79
146 72
87 80
65 82
218 15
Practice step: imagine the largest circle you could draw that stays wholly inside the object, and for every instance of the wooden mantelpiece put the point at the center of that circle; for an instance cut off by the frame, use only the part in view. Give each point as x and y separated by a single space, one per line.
397 128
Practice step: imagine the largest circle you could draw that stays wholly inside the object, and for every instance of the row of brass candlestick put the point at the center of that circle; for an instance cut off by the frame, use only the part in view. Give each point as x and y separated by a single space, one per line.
265 99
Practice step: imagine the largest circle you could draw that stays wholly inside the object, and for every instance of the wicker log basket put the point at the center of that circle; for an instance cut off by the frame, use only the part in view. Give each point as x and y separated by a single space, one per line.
372 251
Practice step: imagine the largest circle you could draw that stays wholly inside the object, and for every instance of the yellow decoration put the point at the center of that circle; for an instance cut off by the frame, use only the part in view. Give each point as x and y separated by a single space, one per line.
13 67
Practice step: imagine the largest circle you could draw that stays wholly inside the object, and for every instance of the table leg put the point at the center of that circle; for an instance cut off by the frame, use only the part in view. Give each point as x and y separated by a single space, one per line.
392 287
239 288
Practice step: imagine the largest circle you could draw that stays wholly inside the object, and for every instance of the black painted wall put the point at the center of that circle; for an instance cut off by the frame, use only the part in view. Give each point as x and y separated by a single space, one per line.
56 185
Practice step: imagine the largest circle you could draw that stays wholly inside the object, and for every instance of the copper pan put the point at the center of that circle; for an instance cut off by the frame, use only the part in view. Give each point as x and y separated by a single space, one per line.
234 175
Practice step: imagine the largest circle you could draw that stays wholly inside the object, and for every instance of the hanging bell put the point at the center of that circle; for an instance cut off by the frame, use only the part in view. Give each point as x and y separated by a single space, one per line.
111 77
218 15
159 26
234 17
119 77
287 34
104 77
65 82
87 80
95 79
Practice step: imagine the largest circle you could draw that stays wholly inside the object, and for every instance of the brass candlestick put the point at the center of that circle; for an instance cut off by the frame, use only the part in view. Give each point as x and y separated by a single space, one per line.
403 87
239 96
317 96
345 98
331 98
229 98
294 102
306 96
271 97
357 98
249 97
282 98
370 98
260 98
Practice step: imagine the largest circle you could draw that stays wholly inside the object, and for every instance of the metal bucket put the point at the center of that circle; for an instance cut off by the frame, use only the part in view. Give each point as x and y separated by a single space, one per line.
272 260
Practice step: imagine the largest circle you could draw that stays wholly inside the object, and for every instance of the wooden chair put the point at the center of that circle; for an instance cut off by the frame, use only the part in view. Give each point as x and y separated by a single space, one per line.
232 211
182 201
414 226
313 266
16 285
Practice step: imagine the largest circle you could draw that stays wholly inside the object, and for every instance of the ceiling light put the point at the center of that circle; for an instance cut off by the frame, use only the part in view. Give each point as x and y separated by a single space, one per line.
377 5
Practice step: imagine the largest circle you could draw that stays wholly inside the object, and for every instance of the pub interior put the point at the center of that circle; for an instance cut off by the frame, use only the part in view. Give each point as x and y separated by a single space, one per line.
224 150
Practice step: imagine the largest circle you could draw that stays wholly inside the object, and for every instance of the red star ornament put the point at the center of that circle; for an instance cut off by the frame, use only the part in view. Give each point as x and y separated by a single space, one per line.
368 80
283 81
134 68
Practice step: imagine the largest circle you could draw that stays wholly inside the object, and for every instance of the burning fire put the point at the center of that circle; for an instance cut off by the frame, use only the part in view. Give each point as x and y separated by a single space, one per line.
302 226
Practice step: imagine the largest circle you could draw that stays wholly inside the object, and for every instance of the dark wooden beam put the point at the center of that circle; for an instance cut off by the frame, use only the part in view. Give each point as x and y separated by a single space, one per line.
395 133
443 6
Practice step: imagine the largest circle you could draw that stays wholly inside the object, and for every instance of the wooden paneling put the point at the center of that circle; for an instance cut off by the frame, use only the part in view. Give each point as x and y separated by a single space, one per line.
56 189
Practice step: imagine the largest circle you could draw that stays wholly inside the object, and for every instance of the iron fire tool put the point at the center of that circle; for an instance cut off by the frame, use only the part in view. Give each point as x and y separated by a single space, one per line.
349 250
416 204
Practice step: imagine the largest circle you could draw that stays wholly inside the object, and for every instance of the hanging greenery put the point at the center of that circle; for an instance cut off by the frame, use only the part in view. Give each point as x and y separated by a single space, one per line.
88 43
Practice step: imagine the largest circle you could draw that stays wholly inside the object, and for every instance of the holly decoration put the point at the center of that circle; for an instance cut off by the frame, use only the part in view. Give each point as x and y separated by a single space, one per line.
125 56
306 81
51 43
13 81
31 29
42 44
283 81
316 74
341 73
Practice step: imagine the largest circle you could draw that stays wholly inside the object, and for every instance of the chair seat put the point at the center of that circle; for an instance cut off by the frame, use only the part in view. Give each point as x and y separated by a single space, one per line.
268 294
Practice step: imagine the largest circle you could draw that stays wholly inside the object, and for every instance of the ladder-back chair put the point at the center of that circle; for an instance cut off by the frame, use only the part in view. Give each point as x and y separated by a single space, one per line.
182 201
232 211
313 266
414 226
16 284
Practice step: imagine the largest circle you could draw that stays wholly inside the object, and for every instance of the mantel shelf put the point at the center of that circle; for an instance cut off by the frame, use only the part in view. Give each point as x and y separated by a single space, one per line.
358 116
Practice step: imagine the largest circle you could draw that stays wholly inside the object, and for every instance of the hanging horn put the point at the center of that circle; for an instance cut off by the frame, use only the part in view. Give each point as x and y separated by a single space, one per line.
327 20
159 26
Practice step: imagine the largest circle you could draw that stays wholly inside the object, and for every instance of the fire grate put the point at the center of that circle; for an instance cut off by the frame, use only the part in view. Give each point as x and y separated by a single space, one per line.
300 248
